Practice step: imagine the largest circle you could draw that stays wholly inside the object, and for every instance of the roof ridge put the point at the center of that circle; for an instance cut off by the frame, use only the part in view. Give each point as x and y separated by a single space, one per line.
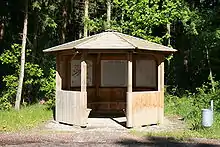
117 34
147 41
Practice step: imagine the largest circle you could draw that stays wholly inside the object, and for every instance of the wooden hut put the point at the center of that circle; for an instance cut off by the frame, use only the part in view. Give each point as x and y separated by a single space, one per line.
110 71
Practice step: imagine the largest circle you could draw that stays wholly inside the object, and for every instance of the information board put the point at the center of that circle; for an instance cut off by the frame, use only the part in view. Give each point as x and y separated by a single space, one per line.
146 73
114 73
76 73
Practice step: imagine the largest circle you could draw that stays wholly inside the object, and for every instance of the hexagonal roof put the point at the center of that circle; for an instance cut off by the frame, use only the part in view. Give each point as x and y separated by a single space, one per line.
111 40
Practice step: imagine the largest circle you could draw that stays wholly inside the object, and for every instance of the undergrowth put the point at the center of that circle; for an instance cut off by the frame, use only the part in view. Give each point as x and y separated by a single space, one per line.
189 107
27 118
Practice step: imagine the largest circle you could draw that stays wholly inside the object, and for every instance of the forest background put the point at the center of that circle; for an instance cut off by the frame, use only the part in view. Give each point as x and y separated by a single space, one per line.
192 74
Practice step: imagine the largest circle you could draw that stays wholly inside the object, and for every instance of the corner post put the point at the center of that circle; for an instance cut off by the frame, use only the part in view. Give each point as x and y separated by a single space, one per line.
129 93
83 98
161 89
58 87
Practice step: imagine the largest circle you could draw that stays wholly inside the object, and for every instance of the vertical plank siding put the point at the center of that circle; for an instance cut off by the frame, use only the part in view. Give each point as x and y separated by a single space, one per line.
69 108
146 107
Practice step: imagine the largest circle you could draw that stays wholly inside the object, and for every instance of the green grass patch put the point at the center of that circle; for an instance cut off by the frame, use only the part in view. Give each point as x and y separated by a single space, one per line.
27 118
181 135
172 135
189 108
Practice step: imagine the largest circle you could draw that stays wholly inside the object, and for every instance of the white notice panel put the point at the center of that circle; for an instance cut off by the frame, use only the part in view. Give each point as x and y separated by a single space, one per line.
114 73
76 73
146 73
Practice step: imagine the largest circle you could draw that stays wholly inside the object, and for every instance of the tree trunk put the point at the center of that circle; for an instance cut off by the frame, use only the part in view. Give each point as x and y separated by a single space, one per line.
35 43
1 30
63 29
86 17
168 32
21 76
168 44
210 71
108 14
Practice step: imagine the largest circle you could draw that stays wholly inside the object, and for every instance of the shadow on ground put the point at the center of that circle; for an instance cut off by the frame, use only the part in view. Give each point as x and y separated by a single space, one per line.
114 116
163 142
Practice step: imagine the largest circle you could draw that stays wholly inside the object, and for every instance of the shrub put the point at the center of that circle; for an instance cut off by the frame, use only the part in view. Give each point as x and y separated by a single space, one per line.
36 81
190 106
48 89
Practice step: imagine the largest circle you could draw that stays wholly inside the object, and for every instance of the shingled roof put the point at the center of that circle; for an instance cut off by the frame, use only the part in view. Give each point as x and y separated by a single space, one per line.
111 40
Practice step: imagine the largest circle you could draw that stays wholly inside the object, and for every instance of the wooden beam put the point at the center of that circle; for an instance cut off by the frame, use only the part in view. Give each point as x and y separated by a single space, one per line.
83 76
129 93
69 73
58 84
159 75
134 60
105 50
161 88
58 74
98 75
83 98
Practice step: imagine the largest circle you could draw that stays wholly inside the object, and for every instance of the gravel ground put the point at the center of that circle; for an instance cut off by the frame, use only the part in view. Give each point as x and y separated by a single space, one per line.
100 132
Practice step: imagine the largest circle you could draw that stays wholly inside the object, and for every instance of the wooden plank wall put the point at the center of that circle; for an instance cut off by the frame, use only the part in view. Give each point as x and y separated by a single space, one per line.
68 107
146 107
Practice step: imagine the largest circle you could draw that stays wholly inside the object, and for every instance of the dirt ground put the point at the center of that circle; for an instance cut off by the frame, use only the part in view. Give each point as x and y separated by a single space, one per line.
100 132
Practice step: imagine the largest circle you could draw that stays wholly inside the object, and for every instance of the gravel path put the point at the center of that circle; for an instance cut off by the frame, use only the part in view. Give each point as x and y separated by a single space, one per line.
100 132
94 139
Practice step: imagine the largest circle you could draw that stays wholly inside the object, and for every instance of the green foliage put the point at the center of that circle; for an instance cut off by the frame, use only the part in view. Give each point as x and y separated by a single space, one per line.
33 78
27 118
48 88
190 107
144 18
96 25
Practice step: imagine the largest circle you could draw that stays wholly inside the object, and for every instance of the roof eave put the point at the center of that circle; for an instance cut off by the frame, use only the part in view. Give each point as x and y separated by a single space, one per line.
161 50
52 50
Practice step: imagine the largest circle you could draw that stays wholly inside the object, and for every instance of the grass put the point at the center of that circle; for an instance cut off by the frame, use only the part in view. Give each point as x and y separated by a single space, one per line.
183 107
27 118
182 135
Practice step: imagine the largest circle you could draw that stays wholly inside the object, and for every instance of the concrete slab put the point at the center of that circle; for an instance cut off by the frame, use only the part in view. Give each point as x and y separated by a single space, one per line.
94 124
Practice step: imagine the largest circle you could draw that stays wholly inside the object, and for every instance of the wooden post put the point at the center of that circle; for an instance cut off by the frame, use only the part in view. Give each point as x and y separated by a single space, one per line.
98 75
129 93
161 89
159 74
58 86
83 101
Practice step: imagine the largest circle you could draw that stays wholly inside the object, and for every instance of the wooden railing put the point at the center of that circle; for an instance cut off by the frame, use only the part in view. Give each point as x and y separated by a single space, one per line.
69 107
147 107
